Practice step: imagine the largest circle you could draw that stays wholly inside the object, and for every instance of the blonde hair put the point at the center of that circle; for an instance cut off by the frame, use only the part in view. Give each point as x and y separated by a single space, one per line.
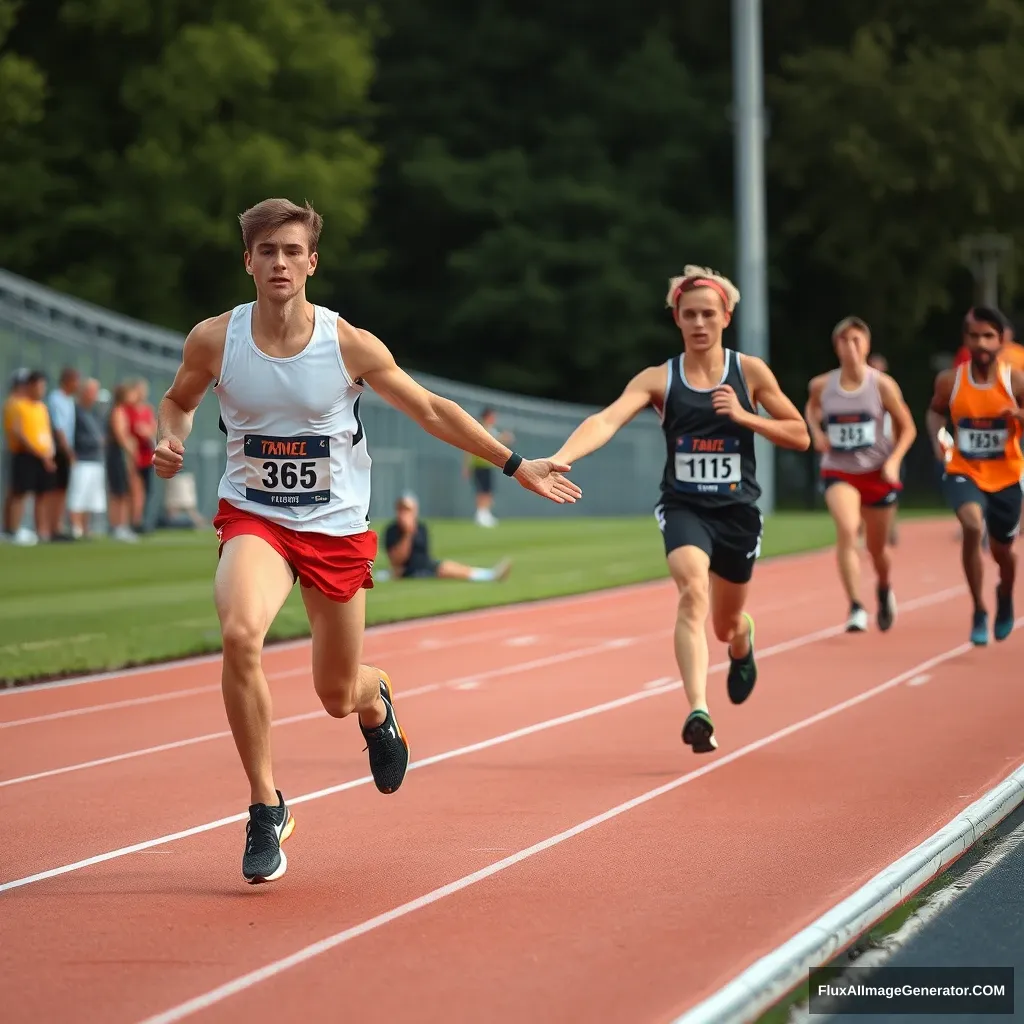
729 293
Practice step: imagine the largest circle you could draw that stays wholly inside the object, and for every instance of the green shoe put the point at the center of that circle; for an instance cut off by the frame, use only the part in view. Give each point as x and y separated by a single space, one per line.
742 671
699 732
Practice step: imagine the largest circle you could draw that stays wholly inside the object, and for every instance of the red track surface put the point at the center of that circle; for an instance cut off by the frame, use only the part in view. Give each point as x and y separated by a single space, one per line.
632 918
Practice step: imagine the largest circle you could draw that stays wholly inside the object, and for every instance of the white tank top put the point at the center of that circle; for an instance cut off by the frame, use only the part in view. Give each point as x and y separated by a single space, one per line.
296 450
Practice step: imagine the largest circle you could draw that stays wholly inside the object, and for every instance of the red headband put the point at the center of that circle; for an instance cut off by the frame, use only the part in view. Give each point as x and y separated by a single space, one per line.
700 282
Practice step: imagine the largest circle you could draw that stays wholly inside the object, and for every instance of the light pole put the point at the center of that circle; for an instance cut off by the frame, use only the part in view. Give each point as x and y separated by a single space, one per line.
751 230
984 255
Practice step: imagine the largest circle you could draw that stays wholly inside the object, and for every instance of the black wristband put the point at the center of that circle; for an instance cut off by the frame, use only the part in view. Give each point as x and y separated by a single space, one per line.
514 462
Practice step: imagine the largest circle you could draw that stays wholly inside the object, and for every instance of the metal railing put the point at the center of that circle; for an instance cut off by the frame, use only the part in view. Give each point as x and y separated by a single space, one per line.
44 329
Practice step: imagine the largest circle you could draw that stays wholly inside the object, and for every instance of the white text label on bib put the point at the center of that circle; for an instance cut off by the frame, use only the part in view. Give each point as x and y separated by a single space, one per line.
708 465
982 438
288 470
851 432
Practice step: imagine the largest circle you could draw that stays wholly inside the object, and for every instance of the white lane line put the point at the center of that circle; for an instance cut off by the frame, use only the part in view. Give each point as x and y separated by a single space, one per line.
130 702
319 794
523 666
581 599
462 683
270 970
768 652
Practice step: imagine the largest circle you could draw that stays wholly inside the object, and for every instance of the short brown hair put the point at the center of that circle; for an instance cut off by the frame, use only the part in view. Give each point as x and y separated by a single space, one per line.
272 214
849 322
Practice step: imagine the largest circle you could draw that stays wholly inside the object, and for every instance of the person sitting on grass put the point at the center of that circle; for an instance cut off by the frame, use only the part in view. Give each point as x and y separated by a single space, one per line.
408 548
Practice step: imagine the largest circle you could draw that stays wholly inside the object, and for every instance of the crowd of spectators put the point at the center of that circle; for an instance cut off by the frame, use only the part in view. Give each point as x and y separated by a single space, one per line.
79 453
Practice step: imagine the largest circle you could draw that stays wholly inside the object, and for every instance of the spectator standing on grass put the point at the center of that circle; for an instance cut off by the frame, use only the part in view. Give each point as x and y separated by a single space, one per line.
30 438
408 547
87 486
60 404
120 457
142 424
483 472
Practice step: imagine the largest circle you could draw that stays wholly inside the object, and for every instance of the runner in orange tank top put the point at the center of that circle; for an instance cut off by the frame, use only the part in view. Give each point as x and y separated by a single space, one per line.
983 399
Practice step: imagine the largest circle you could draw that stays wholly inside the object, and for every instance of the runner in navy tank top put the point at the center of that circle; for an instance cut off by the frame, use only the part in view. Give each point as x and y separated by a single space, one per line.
707 399
295 498
860 463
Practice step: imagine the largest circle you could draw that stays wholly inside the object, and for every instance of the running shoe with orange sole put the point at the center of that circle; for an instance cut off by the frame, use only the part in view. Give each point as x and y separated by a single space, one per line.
387 744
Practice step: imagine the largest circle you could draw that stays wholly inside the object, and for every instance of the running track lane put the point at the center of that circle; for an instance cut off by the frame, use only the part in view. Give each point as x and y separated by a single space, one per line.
635 919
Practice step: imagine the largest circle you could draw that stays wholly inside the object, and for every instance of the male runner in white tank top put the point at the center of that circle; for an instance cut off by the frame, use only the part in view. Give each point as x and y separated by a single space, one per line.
860 464
295 496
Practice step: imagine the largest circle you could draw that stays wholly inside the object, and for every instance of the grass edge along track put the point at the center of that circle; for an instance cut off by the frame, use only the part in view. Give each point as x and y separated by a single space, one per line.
68 609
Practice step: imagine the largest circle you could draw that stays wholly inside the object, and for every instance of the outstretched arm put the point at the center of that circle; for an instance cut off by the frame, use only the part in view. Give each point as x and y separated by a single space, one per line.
597 430
938 412
200 362
368 358
786 428
904 428
813 414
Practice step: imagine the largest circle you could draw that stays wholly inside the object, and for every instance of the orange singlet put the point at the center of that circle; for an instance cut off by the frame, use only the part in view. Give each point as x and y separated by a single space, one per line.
986 446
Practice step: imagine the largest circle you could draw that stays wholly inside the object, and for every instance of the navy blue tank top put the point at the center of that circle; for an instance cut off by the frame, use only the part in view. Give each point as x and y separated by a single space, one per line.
710 460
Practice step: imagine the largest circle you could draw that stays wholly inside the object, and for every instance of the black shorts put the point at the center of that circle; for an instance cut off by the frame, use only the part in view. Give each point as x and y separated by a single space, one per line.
117 472
62 474
1001 509
29 475
730 536
483 479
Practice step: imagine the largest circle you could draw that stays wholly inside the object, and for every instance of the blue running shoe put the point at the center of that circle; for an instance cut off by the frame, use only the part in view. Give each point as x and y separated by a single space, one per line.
979 629
1004 616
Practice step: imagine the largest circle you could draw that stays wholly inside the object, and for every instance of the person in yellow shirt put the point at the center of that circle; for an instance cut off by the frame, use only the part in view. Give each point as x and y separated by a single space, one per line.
483 475
983 399
17 391
30 440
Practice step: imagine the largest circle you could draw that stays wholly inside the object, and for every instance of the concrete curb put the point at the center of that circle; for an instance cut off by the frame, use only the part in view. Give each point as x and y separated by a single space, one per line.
772 977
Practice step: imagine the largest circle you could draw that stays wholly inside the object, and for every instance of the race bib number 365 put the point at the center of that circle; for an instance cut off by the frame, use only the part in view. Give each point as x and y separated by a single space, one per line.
982 438
708 465
288 470
851 432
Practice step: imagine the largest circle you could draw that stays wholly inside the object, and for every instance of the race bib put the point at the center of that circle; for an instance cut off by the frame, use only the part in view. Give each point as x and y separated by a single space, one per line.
851 432
288 470
708 465
982 438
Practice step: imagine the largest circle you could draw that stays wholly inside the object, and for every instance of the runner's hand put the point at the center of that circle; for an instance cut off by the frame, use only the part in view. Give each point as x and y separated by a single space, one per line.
726 403
821 444
545 477
168 457
891 472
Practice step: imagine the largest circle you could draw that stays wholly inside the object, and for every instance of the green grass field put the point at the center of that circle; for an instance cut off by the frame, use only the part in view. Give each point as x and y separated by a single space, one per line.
67 608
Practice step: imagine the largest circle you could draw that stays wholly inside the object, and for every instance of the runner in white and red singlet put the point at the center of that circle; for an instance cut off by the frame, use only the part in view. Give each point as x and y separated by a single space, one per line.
295 496
860 465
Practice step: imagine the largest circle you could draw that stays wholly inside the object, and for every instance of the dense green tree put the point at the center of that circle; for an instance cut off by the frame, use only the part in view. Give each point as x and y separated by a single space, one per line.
555 169
162 122
889 148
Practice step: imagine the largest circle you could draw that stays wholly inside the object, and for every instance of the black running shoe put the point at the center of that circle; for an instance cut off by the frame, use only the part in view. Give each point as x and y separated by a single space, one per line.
742 671
387 745
267 829
699 732
886 608
1003 626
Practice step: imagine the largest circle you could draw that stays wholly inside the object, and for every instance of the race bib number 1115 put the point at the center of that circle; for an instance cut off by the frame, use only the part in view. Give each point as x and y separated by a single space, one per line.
708 465
288 470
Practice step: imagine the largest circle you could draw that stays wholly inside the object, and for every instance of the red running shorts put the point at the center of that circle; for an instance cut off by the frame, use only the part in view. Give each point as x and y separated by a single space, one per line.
874 491
339 567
